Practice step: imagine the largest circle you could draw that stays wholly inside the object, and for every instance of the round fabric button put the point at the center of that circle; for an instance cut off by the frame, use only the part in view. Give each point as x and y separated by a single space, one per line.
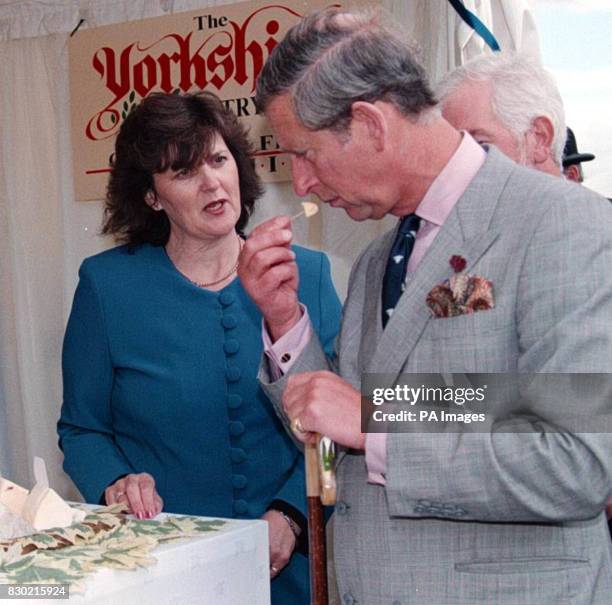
233 374
231 346
226 298
236 428
238 455
229 322
239 481
342 507
241 507
234 401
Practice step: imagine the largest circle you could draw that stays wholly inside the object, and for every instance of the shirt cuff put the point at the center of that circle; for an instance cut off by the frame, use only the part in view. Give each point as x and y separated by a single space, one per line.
376 457
283 353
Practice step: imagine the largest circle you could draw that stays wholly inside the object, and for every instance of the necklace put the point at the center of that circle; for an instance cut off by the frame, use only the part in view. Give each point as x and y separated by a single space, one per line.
221 279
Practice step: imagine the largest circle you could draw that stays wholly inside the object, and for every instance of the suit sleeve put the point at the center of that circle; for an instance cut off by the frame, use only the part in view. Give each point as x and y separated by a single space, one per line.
85 427
564 325
318 354
323 341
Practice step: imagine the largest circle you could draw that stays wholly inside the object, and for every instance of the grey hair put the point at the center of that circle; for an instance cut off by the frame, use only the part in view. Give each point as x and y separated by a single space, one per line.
331 59
522 91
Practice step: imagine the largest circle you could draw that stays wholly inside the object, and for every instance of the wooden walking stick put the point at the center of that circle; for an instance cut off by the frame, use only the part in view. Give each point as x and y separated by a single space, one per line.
320 489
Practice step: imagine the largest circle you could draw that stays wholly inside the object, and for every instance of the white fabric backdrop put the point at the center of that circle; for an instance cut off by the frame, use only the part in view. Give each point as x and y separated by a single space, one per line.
45 234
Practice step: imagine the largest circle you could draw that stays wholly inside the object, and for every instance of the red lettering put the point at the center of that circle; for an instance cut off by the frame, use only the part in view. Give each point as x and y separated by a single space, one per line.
171 62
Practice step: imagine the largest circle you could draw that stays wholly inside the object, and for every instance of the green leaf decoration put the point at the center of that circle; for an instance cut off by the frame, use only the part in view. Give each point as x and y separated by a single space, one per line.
123 115
113 118
106 538
132 96
125 105
19 564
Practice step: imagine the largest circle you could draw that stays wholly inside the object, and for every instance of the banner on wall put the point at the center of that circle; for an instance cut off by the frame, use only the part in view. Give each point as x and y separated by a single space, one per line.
220 49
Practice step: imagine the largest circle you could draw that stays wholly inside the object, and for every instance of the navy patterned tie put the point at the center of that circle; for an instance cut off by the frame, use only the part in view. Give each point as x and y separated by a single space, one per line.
393 281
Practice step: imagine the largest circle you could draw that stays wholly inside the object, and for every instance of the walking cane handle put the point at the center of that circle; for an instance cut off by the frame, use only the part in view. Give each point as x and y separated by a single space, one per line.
326 450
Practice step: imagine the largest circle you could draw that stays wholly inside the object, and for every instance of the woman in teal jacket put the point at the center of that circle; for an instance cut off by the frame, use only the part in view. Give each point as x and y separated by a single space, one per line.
162 408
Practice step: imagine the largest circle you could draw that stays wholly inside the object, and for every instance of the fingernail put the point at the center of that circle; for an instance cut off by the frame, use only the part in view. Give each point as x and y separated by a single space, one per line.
286 234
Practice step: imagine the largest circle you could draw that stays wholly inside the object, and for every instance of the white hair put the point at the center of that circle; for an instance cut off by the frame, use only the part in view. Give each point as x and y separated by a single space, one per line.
522 91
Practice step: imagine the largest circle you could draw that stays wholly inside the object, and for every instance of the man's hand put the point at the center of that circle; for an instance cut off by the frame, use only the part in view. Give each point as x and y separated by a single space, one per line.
269 274
138 490
282 541
325 404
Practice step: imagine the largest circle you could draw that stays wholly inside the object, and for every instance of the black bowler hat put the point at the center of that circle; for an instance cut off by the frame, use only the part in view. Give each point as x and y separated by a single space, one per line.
570 151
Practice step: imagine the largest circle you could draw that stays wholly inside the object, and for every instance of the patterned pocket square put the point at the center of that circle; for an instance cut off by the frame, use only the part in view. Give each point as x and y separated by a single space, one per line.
460 294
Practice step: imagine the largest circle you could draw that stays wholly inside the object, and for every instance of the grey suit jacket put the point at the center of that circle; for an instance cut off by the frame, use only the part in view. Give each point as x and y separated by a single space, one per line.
489 517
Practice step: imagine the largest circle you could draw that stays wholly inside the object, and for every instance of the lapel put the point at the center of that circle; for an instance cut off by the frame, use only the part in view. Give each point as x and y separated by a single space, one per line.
467 231
372 323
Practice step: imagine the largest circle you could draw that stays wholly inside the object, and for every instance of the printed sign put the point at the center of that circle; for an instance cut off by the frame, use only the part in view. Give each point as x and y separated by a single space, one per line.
221 49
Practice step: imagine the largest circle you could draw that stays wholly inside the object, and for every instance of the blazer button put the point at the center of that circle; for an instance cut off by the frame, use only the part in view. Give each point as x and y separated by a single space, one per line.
241 507
229 322
239 481
342 507
226 298
236 428
231 346
234 401
233 374
238 455
348 599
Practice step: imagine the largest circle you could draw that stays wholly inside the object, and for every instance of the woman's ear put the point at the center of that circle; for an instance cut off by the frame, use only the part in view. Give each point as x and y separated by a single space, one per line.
152 201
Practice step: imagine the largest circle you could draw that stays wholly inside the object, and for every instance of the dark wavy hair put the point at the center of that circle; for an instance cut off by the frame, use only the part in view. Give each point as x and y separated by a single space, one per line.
170 131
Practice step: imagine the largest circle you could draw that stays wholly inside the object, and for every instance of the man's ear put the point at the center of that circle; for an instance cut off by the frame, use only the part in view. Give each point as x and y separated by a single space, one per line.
151 200
542 133
572 173
372 120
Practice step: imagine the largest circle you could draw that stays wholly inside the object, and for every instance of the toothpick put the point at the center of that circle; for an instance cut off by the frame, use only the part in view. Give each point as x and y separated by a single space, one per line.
308 209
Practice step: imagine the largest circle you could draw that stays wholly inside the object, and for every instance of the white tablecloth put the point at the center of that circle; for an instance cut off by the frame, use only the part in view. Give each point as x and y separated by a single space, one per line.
225 567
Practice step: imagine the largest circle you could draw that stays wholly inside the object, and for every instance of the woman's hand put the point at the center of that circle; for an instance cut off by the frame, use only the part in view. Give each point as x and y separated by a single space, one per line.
282 541
138 490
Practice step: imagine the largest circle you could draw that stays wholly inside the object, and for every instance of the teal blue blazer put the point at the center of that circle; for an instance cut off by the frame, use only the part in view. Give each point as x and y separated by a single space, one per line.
160 376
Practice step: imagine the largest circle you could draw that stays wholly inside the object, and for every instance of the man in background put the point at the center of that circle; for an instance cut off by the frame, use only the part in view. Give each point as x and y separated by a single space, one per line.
572 159
508 100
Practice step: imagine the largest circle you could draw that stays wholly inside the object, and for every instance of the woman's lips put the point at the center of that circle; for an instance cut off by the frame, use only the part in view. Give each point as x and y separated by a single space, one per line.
215 207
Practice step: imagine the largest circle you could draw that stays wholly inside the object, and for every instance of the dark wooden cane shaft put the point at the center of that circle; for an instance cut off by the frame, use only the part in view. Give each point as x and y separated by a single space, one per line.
316 546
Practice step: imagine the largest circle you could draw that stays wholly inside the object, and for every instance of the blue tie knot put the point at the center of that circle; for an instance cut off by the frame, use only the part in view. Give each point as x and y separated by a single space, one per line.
409 223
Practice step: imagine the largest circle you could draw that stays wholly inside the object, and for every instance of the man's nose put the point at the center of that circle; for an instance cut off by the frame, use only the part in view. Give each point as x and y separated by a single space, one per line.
304 178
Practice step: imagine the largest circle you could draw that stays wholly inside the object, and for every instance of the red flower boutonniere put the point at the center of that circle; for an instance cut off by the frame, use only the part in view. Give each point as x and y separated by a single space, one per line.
461 294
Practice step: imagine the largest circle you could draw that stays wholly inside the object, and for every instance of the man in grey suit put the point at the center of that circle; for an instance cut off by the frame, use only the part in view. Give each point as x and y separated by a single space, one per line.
500 516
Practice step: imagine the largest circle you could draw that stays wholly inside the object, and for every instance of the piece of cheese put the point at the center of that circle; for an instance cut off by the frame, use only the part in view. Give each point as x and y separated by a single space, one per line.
310 209
44 509
13 496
